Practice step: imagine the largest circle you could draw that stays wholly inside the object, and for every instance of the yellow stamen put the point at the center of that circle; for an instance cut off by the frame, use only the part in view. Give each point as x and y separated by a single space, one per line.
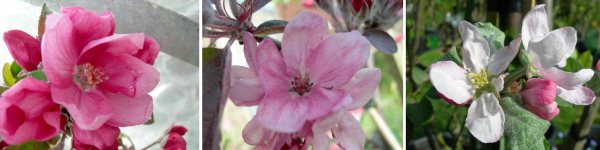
479 80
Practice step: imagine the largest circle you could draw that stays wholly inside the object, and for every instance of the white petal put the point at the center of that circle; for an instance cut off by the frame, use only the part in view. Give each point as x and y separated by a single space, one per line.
499 82
502 58
547 51
569 37
567 80
475 51
485 119
535 25
348 133
578 96
451 81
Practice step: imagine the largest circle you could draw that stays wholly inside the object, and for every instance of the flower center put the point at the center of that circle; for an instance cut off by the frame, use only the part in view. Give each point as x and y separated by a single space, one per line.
88 76
479 80
301 84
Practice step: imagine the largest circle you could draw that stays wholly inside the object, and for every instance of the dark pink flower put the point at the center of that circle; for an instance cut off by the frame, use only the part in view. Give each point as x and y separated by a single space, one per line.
24 48
104 138
175 142
314 75
538 96
100 78
28 113
358 5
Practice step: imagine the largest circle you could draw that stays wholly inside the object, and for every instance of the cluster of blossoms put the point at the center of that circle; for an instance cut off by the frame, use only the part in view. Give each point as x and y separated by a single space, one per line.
306 89
481 78
101 79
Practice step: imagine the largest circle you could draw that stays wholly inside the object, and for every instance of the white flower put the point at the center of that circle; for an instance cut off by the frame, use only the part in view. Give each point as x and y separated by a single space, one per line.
548 49
483 66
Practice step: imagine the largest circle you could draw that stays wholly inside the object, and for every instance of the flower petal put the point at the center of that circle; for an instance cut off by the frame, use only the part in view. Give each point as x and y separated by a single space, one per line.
89 25
254 133
579 96
279 112
272 67
451 81
569 36
129 111
535 25
250 49
104 137
485 119
338 58
89 109
25 49
362 86
120 44
548 51
348 133
475 51
127 75
300 36
246 89
59 51
150 51
320 140
498 83
567 80
502 58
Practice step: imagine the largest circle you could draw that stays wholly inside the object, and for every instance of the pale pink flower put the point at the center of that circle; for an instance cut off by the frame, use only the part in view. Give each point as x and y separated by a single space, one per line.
105 137
538 96
97 76
482 70
24 48
27 112
549 50
314 75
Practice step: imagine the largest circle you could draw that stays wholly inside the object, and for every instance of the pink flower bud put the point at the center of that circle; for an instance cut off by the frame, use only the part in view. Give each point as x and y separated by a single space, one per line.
538 96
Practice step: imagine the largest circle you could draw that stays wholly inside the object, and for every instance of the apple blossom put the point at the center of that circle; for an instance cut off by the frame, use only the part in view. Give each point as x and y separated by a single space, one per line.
24 48
27 112
100 78
549 49
479 78
538 96
314 74
175 140
105 137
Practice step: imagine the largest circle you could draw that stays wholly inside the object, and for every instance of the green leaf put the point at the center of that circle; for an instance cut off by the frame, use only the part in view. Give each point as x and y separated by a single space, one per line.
31 145
9 79
39 74
270 27
573 65
562 103
430 57
452 55
419 76
586 60
493 35
15 69
420 113
522 129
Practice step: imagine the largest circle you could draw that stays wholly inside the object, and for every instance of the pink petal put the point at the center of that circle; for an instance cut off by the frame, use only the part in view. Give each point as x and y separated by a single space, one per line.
272 67
127 75
337 58
535 25
129 111
59 50
362 86
485 119
88 109
300 36
104 137
254 133
280 112
178 129
321 102
12 119
538 96
502 58
348 133
567 80
250 49
175 142
451 81
246 89
150 51
120 44
475 51
89 25
25 49
579 96
320 140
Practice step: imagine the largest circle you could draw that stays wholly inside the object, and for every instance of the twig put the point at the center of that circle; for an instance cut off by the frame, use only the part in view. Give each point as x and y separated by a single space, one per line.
384 129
